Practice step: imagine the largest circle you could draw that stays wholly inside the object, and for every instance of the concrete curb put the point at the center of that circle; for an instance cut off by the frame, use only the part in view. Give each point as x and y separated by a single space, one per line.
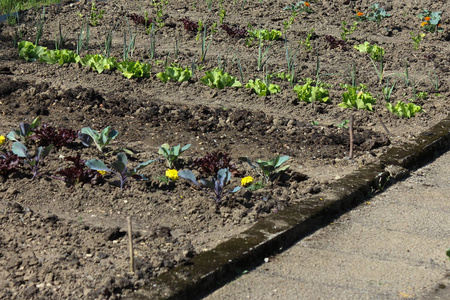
212 269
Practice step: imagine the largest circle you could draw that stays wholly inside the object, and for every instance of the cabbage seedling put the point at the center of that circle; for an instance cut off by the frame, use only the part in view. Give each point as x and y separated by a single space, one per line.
88 135
119 168
24 132
269 169
215 187
33 162
171 153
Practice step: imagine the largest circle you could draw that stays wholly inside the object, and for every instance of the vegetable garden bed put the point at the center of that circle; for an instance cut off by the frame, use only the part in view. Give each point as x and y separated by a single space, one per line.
203 74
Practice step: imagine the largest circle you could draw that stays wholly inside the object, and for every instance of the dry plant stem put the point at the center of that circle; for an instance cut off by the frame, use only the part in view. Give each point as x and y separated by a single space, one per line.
382 123
130 244
350 129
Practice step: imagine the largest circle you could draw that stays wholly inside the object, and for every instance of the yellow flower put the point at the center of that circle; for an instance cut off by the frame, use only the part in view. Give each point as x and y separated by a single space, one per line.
423 24
247 181
102 172
2 140
172 174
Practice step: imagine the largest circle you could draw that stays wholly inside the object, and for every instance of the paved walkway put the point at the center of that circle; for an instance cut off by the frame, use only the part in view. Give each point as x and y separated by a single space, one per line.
391 247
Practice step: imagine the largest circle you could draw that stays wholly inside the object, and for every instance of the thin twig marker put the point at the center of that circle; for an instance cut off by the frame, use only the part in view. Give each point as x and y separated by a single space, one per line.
130 244
350 129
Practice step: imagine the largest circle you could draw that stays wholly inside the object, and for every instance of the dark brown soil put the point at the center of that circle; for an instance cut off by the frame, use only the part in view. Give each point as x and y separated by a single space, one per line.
69 242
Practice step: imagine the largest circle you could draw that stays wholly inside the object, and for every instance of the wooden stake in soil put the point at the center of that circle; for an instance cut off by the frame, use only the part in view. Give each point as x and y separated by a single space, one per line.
130 244
350 129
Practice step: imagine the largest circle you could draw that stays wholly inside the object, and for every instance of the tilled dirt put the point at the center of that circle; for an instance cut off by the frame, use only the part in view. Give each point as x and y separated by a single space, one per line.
59 241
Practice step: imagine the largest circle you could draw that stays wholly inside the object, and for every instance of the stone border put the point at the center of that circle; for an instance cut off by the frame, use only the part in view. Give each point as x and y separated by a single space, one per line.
212 269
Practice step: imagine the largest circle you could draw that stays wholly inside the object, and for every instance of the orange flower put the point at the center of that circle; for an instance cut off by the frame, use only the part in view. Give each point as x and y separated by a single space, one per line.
427 18
439 25
307 4
423 24
359 14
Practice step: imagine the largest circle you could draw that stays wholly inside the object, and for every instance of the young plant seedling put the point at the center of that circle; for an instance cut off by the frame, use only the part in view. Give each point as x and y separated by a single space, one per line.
308 93
134 69
98 62
347 31
8 162
171 154
261 88
119 168
94 16
24 132
378 14
78 173
376 54
215 187
213 162
219 79
306 43
30 52
88 135
268 169
404 110
417 39
32 161
175 74
359 99
47 135
431 21
59 56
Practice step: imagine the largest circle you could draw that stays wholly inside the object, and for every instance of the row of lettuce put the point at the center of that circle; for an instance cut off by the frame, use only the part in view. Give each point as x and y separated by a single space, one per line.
311 91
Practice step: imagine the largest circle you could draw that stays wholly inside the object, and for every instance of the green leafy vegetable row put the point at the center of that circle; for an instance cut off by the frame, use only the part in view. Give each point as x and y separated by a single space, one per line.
99 63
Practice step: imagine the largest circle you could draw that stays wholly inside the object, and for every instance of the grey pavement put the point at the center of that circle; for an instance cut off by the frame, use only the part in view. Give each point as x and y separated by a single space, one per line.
391 247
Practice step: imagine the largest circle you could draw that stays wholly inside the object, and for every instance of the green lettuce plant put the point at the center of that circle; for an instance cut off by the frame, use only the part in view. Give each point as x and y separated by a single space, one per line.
175 74
404 110
98 62
134 69
100 139
215 187
59 56
261 88
308 93
171 154
219 79
119 168
269 169
359 99
29 51
33 161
